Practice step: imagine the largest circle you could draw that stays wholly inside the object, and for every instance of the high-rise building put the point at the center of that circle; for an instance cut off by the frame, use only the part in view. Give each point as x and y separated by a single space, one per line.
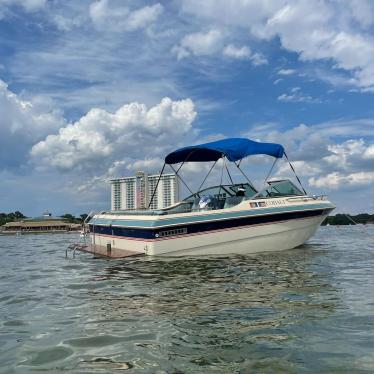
136 192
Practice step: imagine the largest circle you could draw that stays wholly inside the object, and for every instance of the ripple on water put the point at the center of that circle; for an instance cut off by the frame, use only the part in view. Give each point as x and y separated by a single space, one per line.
45 356
85 286
15 323
305 311
103 340
104 364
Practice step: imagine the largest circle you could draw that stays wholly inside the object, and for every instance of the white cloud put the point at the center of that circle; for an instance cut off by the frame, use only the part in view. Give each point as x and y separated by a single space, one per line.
258 59
244 53
22 123
101 140
27 5
330 31
315 142
316 33
286 71
140 18
148 165
199 44
67 23
30 5
241 53
106 16
369 152
86 67
242 13
103 15
362 11
212 43
337 180
296 96
303 169
322 154
344 153
347 128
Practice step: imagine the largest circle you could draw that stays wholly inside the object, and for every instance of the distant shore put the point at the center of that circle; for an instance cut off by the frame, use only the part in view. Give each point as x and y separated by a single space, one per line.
349 219
340 219
18 224
8 232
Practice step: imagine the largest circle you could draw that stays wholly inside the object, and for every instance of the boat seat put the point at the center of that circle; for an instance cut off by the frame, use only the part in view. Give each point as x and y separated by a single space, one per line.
232 201
220 203
195 204
211 205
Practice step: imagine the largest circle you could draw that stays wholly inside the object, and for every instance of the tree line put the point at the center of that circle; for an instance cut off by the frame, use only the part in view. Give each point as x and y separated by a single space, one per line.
18 216
10 217
72 219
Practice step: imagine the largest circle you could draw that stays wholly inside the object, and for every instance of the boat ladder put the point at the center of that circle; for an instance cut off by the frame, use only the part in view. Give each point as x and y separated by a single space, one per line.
79 246
75 247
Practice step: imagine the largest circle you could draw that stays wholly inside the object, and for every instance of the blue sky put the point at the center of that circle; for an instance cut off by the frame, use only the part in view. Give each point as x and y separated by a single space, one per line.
94 89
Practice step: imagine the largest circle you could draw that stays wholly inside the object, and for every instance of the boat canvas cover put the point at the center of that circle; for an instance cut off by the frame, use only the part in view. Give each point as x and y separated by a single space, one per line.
233 149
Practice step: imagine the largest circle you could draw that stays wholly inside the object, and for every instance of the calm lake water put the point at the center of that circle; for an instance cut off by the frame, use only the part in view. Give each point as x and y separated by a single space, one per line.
307 310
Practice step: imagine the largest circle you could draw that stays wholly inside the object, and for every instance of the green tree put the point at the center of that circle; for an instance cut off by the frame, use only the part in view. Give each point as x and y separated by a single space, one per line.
69 217
83 217
19 215
10 217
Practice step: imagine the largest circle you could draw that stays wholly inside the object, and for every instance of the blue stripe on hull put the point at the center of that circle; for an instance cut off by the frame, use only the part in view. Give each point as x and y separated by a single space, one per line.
199 227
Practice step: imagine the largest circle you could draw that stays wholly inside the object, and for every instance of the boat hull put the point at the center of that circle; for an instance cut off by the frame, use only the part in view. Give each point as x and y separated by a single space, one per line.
269 236
244 240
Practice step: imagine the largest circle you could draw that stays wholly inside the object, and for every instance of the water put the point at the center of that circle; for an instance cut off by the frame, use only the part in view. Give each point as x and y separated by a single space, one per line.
308 310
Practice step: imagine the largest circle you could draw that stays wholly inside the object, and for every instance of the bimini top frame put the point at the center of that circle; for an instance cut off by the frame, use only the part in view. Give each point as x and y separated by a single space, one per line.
232 149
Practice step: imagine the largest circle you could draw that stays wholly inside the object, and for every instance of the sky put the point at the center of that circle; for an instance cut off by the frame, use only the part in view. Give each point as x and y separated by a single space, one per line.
96 89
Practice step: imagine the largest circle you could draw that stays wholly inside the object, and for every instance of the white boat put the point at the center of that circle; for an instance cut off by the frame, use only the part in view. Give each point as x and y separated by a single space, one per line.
219 220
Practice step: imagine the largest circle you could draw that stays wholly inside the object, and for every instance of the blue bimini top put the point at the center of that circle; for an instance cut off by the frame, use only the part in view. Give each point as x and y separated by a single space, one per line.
233 149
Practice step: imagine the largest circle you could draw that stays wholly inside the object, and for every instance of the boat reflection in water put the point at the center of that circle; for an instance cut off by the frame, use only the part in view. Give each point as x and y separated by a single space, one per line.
209 312
176 286
218 220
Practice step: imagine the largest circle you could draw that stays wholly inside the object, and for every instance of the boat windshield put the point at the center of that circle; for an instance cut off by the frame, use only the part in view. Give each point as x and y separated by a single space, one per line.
223 191
221 197
278 189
